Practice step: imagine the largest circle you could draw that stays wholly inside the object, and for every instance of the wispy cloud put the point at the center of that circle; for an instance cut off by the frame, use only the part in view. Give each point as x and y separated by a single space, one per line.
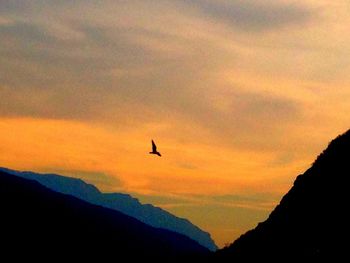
254 15
257 201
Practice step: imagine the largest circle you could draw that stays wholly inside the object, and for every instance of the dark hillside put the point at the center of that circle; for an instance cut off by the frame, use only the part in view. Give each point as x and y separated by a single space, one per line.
41 225
311 222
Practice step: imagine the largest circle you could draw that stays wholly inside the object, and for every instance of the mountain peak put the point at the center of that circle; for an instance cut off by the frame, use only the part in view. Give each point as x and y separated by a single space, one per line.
125 203
38 223
335 153
311 218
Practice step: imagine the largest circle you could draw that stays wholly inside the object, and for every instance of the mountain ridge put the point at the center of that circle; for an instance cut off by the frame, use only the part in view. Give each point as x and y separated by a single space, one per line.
122 202
38 223
310 219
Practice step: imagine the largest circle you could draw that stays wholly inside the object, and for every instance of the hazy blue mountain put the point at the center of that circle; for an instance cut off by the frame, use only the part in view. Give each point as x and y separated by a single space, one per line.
38 224
124 203
311 223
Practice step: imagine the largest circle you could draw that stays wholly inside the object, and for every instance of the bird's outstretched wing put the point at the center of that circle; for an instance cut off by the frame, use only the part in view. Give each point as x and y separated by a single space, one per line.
154 147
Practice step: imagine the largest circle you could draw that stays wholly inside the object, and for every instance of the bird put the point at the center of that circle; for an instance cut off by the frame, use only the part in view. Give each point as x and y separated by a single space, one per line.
154 149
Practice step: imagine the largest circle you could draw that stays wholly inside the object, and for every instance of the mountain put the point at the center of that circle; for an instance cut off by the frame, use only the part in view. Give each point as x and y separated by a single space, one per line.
38 224
124 203
311 222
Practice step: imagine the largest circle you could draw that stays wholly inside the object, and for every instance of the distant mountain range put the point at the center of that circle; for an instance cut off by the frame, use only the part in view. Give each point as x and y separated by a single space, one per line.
41 225
311 223
124 203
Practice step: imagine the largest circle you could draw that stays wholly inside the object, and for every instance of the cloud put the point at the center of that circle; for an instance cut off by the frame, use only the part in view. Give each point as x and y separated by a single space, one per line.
5 21
147 62
206 211
253 201
242 118
75 60
118 69
254 15
48 103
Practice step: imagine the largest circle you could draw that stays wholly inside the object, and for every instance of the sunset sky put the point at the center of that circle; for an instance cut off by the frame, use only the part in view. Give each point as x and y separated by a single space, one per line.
240 97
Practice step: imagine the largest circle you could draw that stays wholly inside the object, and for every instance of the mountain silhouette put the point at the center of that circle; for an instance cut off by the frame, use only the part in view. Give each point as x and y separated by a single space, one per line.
42 225
124 203
311 223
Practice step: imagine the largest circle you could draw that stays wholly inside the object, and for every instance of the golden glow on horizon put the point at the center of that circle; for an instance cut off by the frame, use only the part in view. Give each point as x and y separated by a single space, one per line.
46 145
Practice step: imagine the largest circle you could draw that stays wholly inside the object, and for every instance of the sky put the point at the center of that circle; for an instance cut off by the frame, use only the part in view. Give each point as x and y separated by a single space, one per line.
240 97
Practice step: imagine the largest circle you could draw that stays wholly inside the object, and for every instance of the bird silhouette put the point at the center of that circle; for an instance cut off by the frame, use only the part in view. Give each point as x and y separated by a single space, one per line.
154 149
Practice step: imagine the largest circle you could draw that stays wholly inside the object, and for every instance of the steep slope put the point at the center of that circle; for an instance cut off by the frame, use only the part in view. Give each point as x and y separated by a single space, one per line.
311 222
124 203
40 224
